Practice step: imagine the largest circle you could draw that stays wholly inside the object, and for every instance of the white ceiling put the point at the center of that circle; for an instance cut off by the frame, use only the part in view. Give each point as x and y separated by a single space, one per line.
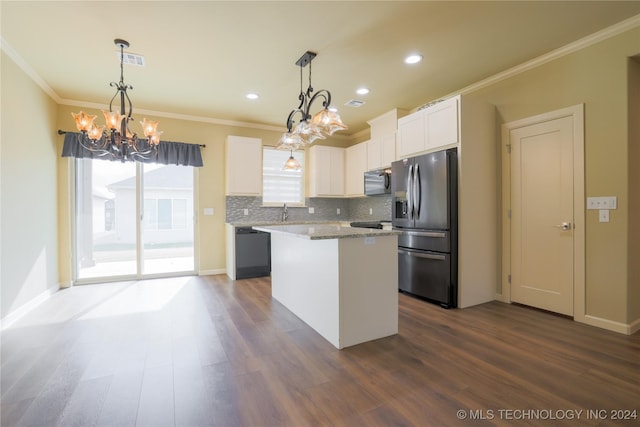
202 57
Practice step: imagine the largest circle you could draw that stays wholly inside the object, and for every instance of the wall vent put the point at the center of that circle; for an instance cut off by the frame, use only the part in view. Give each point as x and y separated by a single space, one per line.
131 59
355 103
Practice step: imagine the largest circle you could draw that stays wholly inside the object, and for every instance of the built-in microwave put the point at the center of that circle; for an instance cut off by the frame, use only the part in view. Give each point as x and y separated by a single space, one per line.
377 183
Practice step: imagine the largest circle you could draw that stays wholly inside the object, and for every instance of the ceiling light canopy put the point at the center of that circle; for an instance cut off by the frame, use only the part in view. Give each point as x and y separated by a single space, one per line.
413 58
118 142
309 128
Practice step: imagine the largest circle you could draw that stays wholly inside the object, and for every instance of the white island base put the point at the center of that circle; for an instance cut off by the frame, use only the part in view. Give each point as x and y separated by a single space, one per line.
346 289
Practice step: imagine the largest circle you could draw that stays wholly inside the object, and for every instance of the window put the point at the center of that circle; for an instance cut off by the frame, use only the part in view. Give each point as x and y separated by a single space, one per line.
280 186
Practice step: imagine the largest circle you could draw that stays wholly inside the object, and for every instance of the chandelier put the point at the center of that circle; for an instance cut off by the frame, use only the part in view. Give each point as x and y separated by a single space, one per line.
118 141
309 128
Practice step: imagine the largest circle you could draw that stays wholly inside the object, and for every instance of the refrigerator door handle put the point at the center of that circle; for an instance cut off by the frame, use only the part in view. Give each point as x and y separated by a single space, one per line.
423 255
417 197
410 191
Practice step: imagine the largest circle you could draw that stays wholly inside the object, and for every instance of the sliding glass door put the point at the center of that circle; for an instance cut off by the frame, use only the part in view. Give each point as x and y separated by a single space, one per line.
133 220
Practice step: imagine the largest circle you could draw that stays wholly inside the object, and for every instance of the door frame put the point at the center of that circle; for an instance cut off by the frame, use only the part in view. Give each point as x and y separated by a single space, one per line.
576 112
139 195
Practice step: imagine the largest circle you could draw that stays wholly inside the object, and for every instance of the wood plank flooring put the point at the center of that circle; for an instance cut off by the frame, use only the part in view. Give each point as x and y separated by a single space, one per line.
207 351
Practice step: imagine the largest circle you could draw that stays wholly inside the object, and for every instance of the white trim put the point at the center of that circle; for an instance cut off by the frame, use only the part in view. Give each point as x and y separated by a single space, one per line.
579 252
21 311
24 66
610 325
214 272
570 48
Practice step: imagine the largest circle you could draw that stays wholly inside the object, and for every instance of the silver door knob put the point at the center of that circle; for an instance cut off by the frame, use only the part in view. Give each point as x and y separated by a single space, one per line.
564 226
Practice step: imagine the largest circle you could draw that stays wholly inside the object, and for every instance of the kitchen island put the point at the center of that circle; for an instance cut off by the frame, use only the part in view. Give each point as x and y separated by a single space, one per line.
341 281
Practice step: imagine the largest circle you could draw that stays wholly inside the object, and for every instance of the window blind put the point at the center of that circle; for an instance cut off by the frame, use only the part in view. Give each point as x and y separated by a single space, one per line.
280 186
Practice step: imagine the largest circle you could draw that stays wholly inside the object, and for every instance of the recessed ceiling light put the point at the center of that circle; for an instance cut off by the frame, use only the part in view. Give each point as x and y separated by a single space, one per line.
252 95
362 91
413 59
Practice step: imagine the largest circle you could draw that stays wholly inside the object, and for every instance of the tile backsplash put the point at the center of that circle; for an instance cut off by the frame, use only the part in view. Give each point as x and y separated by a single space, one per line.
325 209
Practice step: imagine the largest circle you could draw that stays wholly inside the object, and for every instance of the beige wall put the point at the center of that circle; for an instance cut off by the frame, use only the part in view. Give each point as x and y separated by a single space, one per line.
28 235
597 77
633 257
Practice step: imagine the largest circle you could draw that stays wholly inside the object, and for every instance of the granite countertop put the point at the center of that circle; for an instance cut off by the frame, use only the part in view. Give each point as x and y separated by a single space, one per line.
324 231
261 223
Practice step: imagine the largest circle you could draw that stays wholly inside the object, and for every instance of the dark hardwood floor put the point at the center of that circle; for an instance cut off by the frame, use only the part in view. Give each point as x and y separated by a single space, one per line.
200 351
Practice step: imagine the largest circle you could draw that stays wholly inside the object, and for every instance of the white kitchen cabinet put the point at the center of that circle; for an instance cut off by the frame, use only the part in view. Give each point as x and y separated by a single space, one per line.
441 125
431 129
326 171
410 135
381 148
356 166
243 166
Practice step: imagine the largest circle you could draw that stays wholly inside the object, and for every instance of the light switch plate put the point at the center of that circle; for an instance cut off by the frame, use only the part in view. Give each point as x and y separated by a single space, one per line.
603 215
608 202
208 211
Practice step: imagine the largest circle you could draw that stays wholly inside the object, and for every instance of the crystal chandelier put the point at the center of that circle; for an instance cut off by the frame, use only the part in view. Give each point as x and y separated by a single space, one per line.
118 142
309 128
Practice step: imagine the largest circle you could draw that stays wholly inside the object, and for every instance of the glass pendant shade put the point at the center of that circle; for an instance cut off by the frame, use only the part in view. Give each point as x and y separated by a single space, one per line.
149 127
113 119
308 133
83 121
328 121
155 138
290 141
95 132
291 164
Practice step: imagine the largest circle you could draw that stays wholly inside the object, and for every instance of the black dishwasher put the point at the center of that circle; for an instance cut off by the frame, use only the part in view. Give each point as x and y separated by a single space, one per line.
253 253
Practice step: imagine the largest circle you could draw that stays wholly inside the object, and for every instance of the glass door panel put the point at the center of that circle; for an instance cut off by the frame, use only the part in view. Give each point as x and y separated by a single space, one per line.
106 229
168 229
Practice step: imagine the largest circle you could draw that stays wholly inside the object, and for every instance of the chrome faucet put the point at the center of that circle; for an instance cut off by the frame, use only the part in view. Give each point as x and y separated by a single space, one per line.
285 214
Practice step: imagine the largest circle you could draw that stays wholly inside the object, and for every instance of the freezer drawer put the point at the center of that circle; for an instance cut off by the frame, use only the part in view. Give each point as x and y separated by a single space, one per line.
427 275
426 240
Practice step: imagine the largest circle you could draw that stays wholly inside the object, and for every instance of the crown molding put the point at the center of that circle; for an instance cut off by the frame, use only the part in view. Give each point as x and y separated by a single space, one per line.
582 43
590 40
24 66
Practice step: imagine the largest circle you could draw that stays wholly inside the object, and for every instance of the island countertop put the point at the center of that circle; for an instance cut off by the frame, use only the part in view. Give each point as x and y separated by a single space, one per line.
324 231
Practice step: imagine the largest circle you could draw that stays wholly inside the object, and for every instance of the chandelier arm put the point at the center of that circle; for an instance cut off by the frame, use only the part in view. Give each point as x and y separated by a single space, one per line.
293 113
99 150
323 93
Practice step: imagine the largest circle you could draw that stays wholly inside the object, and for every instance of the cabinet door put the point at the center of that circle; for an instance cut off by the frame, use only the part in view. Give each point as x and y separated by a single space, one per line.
410 134
243 166
356 165
374 153
337 171
326 171
388 150
441 124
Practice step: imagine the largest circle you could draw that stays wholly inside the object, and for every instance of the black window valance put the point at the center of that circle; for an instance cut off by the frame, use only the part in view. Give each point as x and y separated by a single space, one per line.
169 152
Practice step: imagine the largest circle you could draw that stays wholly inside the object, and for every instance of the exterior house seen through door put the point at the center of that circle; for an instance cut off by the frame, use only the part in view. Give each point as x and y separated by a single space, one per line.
133 219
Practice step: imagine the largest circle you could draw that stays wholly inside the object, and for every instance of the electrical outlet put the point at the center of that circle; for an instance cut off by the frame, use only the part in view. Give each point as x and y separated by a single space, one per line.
337 211
370 211
311 210
246 212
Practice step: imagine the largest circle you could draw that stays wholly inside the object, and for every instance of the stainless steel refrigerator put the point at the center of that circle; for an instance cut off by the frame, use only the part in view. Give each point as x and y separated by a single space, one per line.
425 209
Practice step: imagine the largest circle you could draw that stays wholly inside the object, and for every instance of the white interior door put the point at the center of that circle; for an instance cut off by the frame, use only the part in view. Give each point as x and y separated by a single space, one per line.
542 216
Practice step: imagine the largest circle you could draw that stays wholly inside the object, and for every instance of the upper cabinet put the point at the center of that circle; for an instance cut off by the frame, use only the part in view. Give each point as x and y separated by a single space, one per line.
381 148
435 127
356 166
243 166
326 171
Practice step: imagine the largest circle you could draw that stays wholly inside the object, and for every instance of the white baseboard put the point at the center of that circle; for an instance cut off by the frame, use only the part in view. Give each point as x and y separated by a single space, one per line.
16 314
212 272
619 327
